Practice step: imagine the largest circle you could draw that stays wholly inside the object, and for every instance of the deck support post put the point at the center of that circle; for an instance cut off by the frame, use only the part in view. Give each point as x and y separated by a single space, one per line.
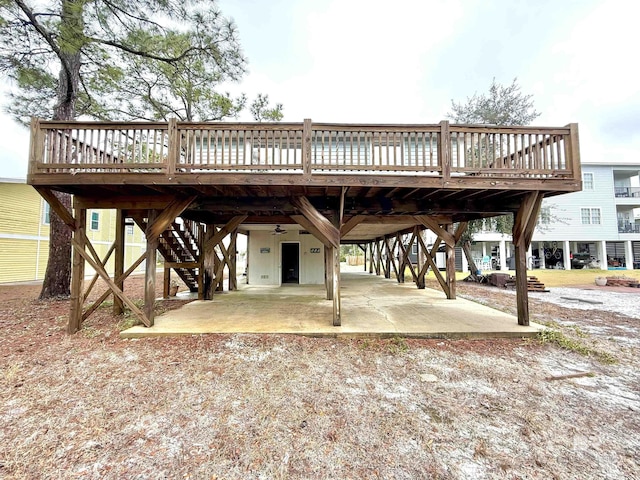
450 265
329 233
328 266
335 283
404 257
523 226
212 265
233 275
118 269
430 257
400 256
421 261
150 267
446 234
77 272
201 234
218 268
387 262
208 266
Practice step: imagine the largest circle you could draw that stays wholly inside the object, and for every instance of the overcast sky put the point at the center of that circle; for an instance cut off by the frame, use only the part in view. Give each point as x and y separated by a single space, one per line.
370 61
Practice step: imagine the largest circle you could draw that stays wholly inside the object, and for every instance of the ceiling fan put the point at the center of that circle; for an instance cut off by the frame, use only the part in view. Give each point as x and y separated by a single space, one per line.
278 231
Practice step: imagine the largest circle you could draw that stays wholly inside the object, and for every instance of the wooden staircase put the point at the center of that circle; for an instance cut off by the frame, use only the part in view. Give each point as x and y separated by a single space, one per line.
179 245
180 248
533 284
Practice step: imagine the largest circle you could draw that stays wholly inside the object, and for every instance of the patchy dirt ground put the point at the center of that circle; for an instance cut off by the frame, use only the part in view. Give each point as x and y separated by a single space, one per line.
93 406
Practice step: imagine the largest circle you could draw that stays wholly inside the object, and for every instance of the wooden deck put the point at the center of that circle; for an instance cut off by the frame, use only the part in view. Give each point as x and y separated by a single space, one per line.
344 183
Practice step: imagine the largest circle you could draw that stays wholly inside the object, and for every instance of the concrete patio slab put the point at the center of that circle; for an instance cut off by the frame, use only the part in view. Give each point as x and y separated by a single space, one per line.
371 307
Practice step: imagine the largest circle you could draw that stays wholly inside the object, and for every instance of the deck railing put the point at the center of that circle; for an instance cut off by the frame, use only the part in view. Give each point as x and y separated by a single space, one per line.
175 148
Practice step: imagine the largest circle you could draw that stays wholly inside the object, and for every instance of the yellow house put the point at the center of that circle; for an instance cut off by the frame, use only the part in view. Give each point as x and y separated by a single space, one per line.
24 233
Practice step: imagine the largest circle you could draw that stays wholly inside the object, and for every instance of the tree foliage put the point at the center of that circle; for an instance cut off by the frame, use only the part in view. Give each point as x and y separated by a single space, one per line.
137 59
115 59
261 111
501 105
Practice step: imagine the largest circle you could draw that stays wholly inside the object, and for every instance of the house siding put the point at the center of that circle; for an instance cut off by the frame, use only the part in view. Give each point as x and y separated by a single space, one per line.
566 224
264 266
24 237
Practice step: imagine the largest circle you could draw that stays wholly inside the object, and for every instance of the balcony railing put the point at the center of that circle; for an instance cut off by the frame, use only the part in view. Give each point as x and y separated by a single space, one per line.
626 192
626 227
176 148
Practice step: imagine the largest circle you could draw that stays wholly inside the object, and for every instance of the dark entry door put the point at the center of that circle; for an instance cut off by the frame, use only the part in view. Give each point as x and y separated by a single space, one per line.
290 263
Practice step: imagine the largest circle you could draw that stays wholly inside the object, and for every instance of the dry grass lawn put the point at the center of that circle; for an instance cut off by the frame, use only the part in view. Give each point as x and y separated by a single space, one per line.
93 406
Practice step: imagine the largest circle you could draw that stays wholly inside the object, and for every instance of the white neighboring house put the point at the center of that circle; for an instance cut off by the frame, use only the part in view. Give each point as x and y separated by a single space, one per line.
596 225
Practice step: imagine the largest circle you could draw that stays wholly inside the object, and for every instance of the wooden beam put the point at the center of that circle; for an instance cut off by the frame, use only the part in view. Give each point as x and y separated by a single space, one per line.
126 202
166 218
233 275
337 315
229 227
451 266
306 147
523 226
405 257
460 229
181 264
119 244
400 257
350 224
173 152
77 270
421 261
166 282
118 281
201 238
311 228
430 262
432 225
387 262
36 145
400 219
320 222
57 206
444 154
95 277
391 255
328 271
208 263
105 276
574 151
222 262
533 219
524 214
150 268
343 192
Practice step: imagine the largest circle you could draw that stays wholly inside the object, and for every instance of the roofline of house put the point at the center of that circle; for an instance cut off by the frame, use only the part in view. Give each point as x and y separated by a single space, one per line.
613 164
12 180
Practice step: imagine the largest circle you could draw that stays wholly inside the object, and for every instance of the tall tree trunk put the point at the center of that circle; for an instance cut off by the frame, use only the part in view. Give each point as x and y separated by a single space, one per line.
57 277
